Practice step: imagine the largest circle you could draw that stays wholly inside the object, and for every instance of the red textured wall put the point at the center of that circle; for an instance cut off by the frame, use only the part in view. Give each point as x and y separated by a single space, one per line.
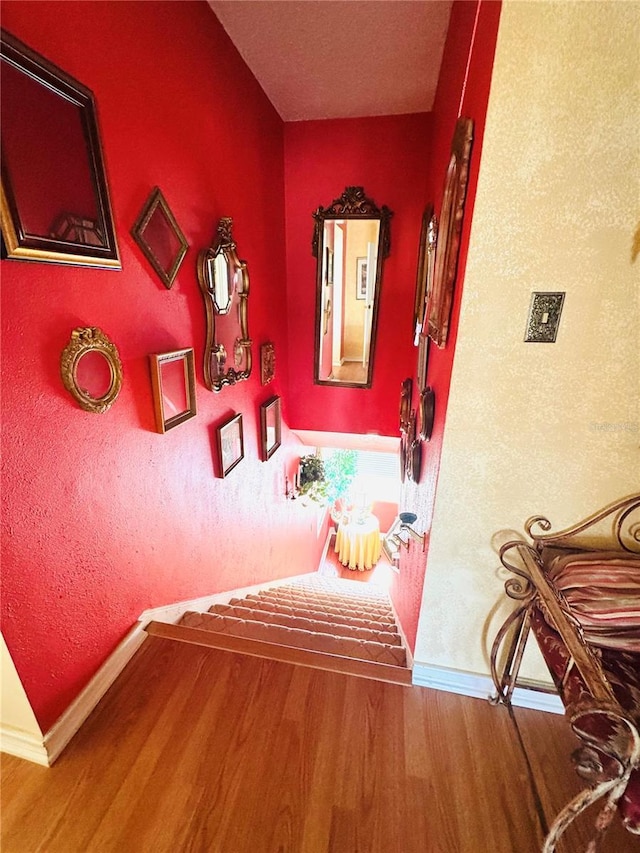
463 91
102 516
389 157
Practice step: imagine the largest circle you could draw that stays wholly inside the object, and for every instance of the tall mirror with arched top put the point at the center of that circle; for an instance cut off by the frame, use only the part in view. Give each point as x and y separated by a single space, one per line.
224 283
350 242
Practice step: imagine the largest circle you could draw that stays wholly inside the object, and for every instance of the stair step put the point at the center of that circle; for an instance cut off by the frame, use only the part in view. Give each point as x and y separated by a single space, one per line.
342 589
296 638
359 632
323 613
266 608
286 654
342 602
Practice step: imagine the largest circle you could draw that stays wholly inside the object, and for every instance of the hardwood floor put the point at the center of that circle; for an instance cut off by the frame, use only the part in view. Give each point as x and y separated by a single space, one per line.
203 750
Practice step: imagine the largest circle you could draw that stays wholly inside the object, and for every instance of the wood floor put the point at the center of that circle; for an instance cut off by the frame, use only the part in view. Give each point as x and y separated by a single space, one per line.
203 750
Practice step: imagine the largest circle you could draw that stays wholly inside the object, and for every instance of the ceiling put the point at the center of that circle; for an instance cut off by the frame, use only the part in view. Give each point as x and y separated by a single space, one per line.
318 59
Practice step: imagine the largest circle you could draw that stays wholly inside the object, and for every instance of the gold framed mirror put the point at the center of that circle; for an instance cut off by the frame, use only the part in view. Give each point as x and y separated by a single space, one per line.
424 278
158 234
174 388
351 239
54 200
91 370
224 283
440 298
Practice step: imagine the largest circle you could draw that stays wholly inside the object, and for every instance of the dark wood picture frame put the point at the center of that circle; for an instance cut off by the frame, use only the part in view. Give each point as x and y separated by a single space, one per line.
38 99
230 444
270 427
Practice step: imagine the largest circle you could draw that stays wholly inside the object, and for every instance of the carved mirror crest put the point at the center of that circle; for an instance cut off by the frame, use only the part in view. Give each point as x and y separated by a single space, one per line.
440 299
160 238
54 204
350 242
91 370
224 282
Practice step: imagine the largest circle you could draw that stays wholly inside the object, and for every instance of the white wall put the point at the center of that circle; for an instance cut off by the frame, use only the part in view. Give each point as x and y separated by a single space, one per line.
18 724
541 428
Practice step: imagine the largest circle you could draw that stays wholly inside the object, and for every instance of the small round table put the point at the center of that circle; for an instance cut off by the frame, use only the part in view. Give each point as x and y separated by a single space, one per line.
358 543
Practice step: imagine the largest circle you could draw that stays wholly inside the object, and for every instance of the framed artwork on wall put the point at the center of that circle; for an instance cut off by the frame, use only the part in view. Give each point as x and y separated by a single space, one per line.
270 427
267 362
361 278
230 442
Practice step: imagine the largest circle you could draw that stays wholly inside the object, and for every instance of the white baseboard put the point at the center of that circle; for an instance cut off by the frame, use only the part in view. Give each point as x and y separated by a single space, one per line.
69 722
46 750
23 745
481 687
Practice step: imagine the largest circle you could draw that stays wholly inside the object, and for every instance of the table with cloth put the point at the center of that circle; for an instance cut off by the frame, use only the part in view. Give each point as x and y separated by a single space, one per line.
358 543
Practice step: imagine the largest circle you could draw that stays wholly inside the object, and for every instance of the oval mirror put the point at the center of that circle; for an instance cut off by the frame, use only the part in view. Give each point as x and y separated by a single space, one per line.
224 282
350 241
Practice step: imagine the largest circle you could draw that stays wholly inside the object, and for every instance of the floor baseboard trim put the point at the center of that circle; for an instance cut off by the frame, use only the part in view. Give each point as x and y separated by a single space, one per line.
24 745
68 724
482 687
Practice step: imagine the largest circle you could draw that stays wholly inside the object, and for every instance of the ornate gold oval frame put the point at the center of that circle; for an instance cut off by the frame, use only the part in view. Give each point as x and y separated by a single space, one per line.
84 340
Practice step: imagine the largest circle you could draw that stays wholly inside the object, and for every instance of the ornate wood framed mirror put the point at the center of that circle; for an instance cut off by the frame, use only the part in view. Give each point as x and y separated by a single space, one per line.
350 242
54 204
224 282
440 297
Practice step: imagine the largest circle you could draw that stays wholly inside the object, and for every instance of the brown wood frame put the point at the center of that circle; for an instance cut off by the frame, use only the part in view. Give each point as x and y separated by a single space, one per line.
156 360
227 465
272 404
17 242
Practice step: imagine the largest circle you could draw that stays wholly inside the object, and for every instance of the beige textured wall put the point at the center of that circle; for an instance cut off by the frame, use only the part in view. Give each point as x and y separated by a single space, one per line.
550 428
15 710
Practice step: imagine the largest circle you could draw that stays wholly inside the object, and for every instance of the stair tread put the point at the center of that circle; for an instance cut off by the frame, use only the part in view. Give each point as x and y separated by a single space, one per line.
389 673
299 638
310 611
295 620
332 599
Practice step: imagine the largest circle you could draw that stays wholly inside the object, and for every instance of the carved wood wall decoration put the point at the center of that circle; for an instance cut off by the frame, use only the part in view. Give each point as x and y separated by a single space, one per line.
440 299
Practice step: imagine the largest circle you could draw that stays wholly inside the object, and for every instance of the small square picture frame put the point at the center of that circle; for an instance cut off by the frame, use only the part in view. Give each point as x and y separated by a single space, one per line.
230 444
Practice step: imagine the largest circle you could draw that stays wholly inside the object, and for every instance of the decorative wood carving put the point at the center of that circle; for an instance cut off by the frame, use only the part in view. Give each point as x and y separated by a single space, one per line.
440 299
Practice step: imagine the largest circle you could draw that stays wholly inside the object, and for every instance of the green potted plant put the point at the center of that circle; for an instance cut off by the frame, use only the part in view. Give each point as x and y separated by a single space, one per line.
312 478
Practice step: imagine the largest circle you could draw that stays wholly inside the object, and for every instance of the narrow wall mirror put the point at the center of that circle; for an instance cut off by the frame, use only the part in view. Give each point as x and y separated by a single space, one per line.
224 282
54 205
350 242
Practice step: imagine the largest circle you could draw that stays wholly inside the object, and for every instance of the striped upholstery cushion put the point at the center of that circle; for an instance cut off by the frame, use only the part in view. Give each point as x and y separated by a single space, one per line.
603 592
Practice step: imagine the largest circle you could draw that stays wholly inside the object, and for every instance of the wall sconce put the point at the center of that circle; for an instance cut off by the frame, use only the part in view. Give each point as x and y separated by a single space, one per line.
398 537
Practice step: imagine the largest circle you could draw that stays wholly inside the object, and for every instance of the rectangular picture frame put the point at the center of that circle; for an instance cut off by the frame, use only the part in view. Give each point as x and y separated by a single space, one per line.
361 278
230 444
270 427
174 387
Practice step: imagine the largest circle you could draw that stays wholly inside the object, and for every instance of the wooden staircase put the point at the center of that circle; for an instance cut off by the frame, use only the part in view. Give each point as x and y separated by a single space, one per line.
326 623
